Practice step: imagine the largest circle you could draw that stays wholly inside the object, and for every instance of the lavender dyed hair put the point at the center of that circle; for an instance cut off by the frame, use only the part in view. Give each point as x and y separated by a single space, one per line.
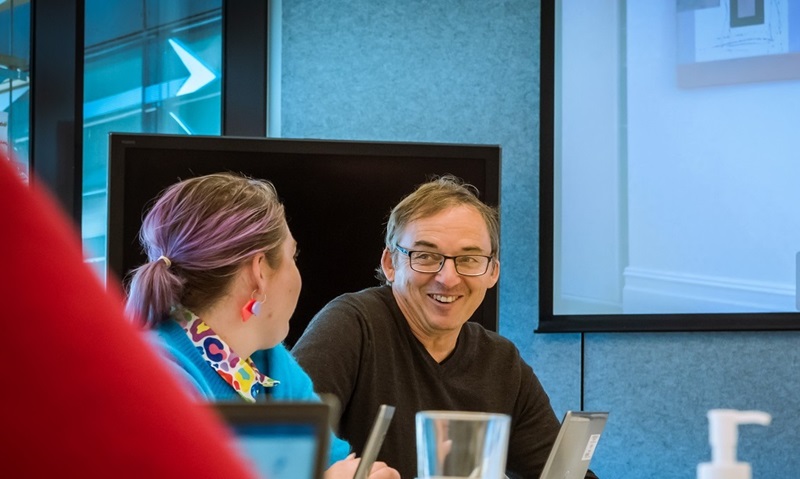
208 227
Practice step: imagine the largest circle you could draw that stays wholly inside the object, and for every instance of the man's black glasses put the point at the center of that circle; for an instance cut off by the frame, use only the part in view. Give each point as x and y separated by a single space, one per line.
427 262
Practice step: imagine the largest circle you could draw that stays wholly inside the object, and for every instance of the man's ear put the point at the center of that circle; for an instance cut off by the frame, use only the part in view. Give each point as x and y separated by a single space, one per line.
494 273
387 265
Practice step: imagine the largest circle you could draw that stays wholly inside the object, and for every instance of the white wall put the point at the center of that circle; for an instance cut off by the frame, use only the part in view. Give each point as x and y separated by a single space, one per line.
709 201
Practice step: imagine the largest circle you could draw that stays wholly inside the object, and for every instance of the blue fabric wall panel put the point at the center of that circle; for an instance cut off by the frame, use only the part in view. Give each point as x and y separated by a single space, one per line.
659 387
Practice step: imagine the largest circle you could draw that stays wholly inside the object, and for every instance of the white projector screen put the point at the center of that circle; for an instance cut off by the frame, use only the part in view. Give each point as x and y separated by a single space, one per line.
670 160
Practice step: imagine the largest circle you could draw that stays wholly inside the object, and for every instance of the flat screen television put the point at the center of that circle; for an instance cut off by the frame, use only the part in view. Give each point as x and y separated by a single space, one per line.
337 195
668 166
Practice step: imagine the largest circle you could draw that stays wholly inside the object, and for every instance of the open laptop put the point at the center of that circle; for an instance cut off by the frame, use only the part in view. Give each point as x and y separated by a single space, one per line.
574 446
375 441
281 440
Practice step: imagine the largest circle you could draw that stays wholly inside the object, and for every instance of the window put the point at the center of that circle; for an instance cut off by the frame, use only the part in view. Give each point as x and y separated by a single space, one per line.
150 66
14 80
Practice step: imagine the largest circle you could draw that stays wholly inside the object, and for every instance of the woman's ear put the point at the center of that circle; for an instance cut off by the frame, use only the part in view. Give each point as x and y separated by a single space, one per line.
259 270
387 265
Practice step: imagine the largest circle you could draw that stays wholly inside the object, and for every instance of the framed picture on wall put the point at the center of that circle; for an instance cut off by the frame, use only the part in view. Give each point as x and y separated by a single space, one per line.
737 41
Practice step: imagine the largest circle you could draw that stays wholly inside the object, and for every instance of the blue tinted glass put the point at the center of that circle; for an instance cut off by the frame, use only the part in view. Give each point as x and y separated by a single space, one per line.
15 25
154 67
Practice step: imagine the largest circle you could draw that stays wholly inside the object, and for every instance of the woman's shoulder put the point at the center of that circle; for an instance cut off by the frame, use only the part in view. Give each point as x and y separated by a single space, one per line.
169 337
281 362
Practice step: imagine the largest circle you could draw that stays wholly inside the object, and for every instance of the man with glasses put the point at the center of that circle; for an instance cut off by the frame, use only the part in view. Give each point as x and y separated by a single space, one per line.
409 344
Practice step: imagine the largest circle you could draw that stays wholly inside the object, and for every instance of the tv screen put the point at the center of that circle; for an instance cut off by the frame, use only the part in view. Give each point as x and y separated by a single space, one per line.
668 166
337 195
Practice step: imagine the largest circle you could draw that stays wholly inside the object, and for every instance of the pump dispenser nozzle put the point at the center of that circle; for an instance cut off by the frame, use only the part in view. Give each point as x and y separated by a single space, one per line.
723 435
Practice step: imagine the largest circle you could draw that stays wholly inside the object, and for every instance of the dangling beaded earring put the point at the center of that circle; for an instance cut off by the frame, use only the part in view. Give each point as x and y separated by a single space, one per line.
252 307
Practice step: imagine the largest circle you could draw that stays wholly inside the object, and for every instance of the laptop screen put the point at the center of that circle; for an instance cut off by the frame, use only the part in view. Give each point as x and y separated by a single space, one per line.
575 444
279 451
281 440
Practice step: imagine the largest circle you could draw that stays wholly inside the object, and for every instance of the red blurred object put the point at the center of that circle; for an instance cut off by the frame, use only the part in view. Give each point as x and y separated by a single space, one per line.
84 393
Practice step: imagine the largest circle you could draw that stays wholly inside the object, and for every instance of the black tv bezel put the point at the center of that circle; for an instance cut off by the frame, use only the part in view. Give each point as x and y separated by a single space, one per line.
121 143
549 322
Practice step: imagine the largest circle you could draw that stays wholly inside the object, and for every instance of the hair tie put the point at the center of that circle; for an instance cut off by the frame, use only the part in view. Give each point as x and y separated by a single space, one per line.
165 260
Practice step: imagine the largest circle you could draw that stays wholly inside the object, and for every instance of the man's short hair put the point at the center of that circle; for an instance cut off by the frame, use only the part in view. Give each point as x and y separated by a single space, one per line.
433 197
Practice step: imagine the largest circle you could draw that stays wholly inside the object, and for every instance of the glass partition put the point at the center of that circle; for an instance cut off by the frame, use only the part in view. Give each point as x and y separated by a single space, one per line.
15 25
150 66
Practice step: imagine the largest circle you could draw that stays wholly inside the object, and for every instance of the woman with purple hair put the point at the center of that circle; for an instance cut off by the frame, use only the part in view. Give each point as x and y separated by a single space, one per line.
218 291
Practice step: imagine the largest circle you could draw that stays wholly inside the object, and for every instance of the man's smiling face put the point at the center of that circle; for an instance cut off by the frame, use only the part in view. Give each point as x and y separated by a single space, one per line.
436 304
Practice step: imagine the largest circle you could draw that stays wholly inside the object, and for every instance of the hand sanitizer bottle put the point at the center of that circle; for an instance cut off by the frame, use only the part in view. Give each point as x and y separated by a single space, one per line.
723 434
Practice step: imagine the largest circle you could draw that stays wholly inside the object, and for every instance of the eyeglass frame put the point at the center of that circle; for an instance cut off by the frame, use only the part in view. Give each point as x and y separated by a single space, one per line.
408 253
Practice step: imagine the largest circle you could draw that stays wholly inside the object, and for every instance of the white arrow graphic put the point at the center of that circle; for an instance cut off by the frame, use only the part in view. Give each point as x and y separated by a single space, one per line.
199 74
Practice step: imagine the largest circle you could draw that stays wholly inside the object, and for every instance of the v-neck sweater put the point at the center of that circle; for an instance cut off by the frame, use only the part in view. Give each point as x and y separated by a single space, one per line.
360 348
